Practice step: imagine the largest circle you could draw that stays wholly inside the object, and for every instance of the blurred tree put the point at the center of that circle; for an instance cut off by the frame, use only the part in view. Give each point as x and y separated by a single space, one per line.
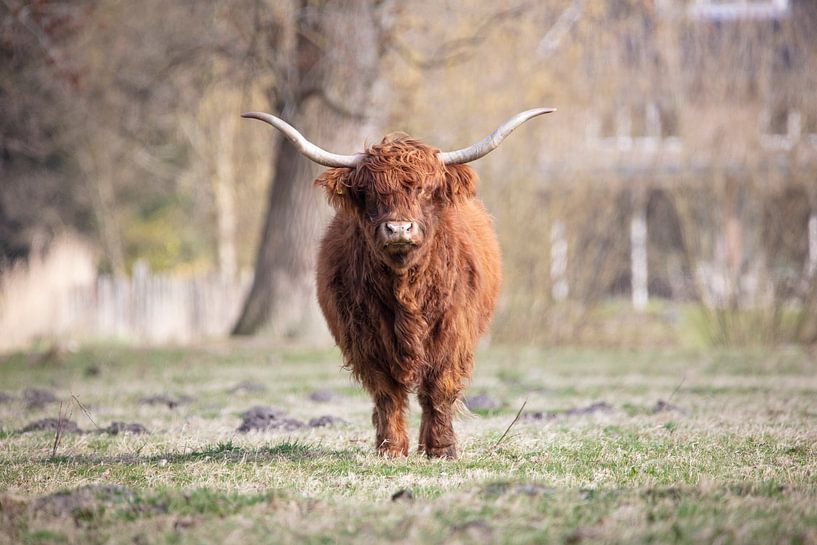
331 71
328 64
37 80
119 119
87 136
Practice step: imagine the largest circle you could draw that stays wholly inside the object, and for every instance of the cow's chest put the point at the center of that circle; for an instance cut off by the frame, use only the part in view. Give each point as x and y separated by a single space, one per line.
399 316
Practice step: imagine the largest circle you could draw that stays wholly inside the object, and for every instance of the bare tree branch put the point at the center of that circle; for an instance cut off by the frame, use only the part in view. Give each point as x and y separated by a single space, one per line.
553 37
22 14
335 105
460 49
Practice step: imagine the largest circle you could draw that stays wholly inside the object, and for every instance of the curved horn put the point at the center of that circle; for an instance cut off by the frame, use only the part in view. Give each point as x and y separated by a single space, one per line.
310 150
490 142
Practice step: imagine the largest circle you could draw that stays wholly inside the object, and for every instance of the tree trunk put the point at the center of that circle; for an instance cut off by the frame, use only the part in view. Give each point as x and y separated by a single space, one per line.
283 288
99 181
224 197
327 98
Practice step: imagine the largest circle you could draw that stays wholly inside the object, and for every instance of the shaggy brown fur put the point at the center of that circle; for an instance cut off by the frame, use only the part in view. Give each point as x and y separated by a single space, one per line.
408 319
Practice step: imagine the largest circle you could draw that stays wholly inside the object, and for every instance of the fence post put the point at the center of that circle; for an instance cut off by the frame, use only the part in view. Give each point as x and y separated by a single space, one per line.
638 252
558 261
811 262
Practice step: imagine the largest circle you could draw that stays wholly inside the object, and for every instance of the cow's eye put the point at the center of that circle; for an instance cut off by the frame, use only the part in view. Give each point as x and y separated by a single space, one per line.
371 208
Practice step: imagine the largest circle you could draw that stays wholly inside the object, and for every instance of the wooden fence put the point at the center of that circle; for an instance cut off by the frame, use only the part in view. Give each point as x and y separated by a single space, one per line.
145 308
157 308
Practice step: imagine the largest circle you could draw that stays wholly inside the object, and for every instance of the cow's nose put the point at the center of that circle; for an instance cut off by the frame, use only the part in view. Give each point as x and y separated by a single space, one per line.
398 227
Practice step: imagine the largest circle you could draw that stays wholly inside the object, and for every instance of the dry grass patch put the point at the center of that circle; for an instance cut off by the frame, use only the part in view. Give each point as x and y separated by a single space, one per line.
690 447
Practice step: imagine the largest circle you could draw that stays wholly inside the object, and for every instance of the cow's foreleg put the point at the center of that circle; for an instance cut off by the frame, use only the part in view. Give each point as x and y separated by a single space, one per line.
437 397
390 422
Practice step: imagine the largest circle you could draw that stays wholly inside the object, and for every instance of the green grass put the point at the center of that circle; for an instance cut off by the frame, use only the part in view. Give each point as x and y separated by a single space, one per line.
734 462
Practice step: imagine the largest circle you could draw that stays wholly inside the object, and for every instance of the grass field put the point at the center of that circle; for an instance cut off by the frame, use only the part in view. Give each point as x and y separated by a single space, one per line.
730 456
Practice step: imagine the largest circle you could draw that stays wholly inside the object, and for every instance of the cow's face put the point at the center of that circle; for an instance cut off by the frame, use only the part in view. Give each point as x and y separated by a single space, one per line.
397 194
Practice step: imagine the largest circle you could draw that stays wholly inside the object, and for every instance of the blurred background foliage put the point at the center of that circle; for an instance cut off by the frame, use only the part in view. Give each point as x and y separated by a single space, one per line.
671 199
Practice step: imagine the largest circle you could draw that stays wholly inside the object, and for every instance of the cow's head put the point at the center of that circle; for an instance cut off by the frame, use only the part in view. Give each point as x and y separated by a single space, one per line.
397 189
396 193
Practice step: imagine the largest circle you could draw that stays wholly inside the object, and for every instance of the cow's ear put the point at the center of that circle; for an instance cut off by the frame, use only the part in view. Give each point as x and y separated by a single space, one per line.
460 183
335 182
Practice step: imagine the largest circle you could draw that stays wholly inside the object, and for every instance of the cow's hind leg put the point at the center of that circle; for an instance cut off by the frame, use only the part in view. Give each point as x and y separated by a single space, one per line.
389 421
437 397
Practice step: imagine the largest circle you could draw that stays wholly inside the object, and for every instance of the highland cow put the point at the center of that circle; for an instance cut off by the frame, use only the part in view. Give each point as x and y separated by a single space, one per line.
408 275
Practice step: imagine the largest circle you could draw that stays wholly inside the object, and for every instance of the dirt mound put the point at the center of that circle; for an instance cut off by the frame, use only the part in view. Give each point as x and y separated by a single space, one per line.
264 411
404 494
481 402
247 387
662 406
81 503
325 395
325 421
125 427
162 399
6 398
512 488
474 531
36 398
51 424
600 407
264 418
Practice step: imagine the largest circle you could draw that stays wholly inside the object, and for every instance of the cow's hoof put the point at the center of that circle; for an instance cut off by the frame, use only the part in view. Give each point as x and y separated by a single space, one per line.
446 453
392 451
